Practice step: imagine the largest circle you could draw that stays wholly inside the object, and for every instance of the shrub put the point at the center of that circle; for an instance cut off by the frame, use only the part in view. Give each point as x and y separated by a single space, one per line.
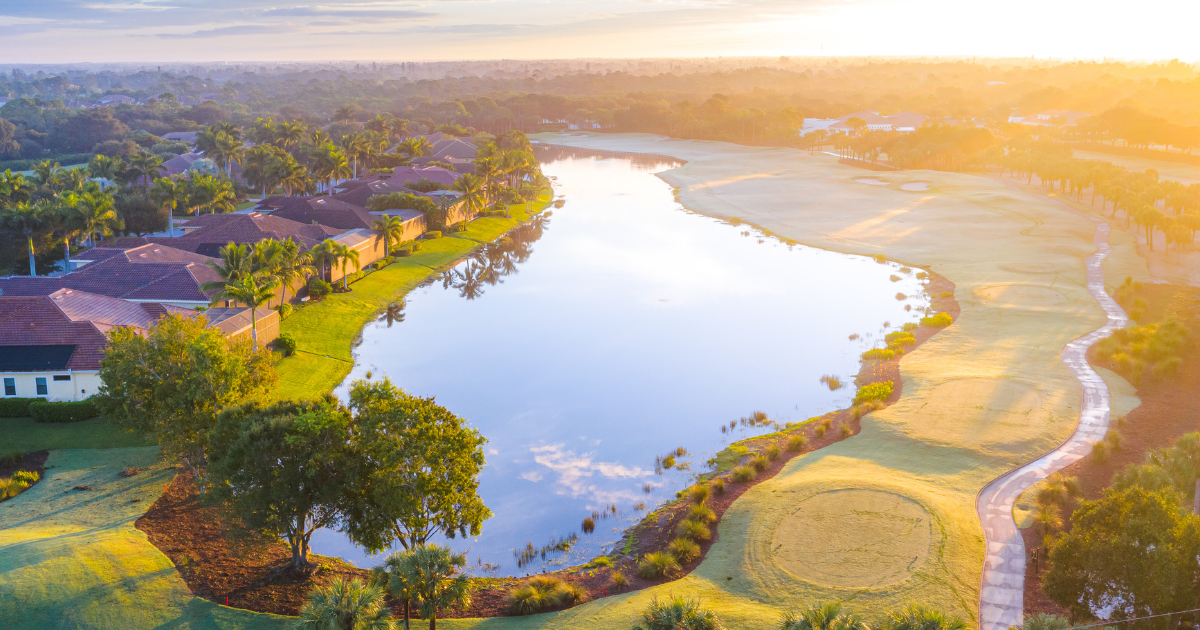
941 320
416 246
743 474
284 309
15 407
403 251
68 411
874 391
318 288
773 452
698 494
27 476
820 431
589 525
694 530
796 443
900 338
678 612
11 458
684 550
910 326
718 485
657 565
759 462
703 514
619 580
846 431
432 234
10 488
544 593
286 344
879 354
1100 451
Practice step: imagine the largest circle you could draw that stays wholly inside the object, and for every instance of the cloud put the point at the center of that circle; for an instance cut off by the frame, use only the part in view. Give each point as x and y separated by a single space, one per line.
127 6
532 476
575 470
225 31
349 13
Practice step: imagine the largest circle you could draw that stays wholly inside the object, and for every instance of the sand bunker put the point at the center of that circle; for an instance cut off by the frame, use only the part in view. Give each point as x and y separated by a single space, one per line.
853 538
1021 296
915 186
871 181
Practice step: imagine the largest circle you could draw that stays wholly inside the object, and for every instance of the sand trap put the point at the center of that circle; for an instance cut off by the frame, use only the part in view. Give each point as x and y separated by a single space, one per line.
915 186
853 538
871 181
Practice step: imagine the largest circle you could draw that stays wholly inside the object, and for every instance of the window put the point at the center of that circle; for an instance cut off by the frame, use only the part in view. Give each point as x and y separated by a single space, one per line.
62 377
41 386
10 387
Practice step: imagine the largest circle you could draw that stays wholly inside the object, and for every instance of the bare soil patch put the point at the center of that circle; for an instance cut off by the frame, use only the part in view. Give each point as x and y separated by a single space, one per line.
1168 410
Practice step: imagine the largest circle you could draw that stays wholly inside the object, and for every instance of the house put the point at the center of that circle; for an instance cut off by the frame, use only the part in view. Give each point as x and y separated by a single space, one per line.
450 147
330 212
208 233
143 273
51 345
181 136
368 244
180 164
359 193
112 100
414 221
903 122
404 175
1050 117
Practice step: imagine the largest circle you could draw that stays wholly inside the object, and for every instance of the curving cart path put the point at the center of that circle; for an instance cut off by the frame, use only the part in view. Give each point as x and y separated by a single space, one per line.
1002 591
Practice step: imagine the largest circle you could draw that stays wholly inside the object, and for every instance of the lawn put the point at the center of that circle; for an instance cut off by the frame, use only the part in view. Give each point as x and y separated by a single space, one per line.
325 330
24 435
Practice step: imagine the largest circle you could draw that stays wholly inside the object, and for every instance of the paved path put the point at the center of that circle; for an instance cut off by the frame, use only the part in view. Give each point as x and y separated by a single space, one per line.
1001 594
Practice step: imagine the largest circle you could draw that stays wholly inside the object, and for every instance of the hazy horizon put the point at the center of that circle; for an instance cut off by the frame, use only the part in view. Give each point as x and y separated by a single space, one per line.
169 31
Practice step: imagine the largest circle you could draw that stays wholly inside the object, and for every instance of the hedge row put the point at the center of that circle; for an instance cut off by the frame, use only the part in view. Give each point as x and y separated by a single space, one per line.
15 407
64 160
67 411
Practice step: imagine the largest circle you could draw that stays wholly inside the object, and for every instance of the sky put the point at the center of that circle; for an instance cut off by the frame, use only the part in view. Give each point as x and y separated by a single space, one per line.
64 31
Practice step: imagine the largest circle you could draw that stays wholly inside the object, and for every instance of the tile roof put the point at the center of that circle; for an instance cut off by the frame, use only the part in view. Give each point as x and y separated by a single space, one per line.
216 230
326 211
231 320
404 174
179 164
120 278
453 147
68 319
360 194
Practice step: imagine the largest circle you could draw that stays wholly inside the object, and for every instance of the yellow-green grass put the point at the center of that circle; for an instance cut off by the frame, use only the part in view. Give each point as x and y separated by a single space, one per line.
986 394
325 330
24 435
73 559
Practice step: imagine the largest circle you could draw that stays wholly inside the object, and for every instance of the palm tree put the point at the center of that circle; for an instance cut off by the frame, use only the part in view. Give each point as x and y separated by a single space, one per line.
1043 621
211 193
234 265
294 176
250 292
344 255
44 173
430 575
486 170
678 613
226 149
1049 517
529 192
329 163
393 313
390 229
290 134
146 166
821 617
471 187
293 265
170 193
346 605
401 576
354 145
97 215
28 219
919 617
261 168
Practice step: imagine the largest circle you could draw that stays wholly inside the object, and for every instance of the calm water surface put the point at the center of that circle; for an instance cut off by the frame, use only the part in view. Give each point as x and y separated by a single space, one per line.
619 329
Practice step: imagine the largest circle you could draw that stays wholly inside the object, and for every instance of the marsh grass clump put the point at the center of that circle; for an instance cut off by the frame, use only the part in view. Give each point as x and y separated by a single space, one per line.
703 514
693 530
894 278
878 354
941 320
698 494
909 327
874 391
832 382
28 476
619 581
820 431
598 562
880 258
759 462
796 443
773 452
717 485
589 525
744 474
846 431
1100 451
921 275
678 613
657 564
684 550
900 338
900 297
543 593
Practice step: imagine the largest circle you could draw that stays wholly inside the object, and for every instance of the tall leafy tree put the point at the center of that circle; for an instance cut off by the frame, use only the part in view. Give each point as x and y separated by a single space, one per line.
419 467
170 383
280 467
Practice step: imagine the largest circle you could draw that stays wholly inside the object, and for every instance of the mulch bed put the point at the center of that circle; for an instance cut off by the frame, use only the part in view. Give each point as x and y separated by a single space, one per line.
217 559
34 461
1168 410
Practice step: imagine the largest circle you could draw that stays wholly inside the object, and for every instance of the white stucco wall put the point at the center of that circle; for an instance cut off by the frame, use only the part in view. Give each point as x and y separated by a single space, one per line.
79 386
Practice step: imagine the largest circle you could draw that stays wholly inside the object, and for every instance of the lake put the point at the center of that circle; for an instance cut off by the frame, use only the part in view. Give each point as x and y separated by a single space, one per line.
614 331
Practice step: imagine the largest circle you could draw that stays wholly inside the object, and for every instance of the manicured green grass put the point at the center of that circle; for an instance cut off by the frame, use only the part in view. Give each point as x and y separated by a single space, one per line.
23 434
73 559
325 330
